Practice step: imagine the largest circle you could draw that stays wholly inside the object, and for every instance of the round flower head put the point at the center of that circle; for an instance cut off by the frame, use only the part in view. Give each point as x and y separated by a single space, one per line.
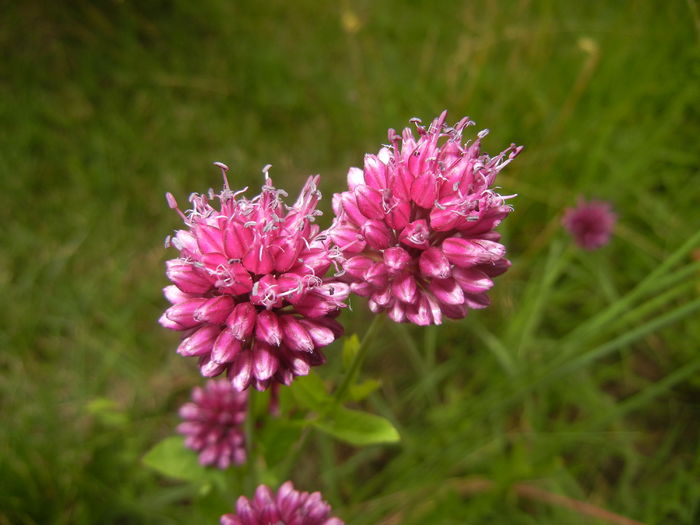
248 289
287 507
590 223
213 424
417 224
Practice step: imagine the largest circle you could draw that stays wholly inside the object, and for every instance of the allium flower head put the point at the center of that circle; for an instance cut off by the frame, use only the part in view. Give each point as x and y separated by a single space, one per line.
286 507
213 424
249 292
417 224
590 223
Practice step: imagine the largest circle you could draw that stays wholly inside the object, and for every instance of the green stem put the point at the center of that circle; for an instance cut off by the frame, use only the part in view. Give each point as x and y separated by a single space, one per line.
338 396
358 360
295 453
249 427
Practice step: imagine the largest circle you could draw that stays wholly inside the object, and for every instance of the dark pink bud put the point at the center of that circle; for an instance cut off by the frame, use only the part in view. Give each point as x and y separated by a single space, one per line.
357 266
284 251
369 201
399 215
401 185
383 297
433 263
186 277
419 312
334 292
268 329
241 321
446 213
472 280
447 291
348 239
210 368
183 313
171 325
351 208
396 259
477 301
424 190
463 252
200 342
226 347
258 260
455 311
215 310
209 239
299 364
416 235
313 261
315 306
296 336
375 172
265 362
213 260
237 239
265 292
186 242
495 268
377 275
377 234
173 294
320 335
241 370
363 289
404 288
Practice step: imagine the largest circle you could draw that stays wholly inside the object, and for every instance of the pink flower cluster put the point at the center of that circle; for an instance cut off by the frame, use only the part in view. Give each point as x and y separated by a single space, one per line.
414 233
417 224
287 506
248 288
213 424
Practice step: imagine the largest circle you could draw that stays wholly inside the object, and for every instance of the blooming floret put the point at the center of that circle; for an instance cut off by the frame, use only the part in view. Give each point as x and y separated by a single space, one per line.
417 224
248 288
590 223
213 424
286 507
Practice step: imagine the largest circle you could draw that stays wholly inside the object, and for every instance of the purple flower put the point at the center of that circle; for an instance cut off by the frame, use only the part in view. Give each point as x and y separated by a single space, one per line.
590 223
287 507
213 424
417 224
249 292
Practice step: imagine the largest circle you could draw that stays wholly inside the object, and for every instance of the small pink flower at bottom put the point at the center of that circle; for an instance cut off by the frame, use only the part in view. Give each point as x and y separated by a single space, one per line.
286 507
590 223
213 424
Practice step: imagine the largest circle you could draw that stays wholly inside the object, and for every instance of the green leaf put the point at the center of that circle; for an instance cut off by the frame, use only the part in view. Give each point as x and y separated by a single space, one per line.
171 458
351 345
357 428
361 390
310 392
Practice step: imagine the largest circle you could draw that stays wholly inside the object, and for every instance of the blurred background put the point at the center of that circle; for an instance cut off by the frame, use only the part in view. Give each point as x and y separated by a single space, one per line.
105 106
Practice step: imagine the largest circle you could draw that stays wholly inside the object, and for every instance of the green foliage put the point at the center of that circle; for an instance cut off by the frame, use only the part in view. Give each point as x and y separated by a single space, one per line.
357 428
581 379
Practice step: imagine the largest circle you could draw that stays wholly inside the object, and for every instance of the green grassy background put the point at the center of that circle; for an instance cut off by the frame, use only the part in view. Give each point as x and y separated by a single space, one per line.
105 106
